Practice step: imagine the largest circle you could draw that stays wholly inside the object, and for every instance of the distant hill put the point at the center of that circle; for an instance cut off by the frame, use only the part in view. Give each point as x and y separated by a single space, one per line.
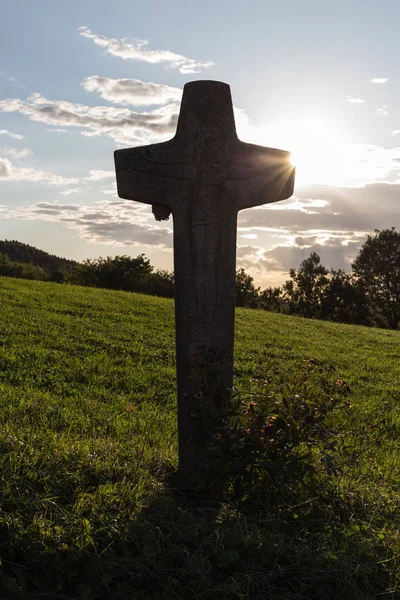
24 253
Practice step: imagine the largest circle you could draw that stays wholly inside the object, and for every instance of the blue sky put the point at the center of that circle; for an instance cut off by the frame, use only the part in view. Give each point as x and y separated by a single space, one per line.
80 79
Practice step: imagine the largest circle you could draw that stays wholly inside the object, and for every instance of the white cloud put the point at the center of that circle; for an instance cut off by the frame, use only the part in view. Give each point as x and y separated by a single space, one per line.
296 204
379 80
248 236
97 175
382 112
136 50
131 91
10 172
15 153
57 130
11 79
121 124
353 100
16 136
106 222
5 168
71 191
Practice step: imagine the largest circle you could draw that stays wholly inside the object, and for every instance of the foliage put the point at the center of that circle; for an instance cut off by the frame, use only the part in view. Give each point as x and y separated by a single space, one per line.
271 299
275 444
159 283
88 443
246 292
377 267
118 273
21 270
124 273
344 300
313 291
304 290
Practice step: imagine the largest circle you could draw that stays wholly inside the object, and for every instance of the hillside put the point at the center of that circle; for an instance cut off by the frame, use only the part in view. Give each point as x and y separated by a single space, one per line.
24 253
88 444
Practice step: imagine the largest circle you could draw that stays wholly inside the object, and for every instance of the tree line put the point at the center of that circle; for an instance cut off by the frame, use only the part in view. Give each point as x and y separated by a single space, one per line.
370 295
118 273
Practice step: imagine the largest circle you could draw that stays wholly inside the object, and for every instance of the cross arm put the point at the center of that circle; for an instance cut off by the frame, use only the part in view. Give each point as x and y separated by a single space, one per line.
260 175
151 174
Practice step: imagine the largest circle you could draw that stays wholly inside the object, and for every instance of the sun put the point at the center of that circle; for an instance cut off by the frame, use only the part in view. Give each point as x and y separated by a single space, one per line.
322 152
318 151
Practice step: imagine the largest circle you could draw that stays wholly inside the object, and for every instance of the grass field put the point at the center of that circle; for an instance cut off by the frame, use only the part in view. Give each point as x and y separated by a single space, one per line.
88 440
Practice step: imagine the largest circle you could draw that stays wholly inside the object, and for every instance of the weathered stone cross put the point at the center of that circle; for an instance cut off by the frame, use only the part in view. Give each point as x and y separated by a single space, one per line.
203 176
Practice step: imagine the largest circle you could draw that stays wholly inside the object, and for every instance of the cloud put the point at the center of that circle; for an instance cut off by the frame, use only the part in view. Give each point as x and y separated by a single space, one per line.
107 222
382 112
15 153
57 130
71 191
379 80
10 172
97 175
353 100
344 209
335 228
131 91
301 205
333 255
270 267
53 206
248 236
16 136
121 124
136 50
12 79
5 168
331 221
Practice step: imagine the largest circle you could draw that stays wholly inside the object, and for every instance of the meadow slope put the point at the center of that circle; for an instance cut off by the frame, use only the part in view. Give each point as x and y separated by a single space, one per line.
88 436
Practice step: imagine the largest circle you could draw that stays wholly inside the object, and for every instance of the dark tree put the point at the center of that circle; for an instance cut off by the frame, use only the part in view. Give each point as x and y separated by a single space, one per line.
246 292
271 299
377 267
159 283
305 289
344 300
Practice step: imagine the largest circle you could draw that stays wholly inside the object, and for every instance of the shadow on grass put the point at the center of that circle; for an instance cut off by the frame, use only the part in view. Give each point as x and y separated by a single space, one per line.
181 545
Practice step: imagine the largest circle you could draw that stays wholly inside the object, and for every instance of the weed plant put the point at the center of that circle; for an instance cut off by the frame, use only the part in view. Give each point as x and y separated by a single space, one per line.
281 442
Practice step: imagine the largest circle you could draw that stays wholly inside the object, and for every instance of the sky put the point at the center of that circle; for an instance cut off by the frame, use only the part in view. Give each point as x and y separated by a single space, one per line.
81 79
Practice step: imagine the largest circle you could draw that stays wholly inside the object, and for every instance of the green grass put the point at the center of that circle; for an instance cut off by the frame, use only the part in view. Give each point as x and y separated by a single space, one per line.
88 442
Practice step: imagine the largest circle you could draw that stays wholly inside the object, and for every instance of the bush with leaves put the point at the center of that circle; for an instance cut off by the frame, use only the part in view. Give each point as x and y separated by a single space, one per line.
118 273
280 442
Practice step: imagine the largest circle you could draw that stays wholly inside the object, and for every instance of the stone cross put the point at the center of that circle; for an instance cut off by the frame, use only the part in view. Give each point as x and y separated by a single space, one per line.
203 176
